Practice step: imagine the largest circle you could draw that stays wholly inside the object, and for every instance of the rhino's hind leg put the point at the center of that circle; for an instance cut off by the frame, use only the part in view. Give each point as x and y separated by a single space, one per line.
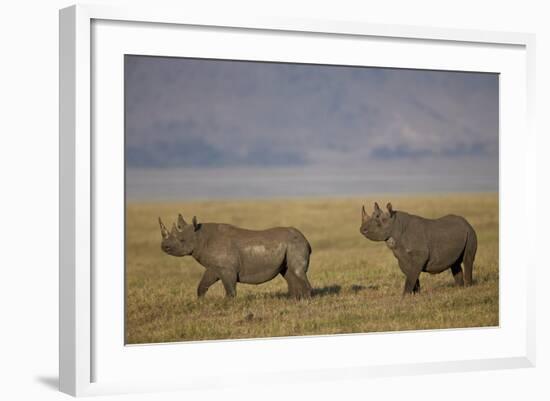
229 280
468 268
294 286
298 287
457 274
469 256
304 286
302 276
294 273
297 263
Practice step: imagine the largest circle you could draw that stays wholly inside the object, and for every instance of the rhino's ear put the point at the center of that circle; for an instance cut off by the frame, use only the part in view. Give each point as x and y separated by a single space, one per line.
376 207
163 230
364 214
390 209
196 224
181 222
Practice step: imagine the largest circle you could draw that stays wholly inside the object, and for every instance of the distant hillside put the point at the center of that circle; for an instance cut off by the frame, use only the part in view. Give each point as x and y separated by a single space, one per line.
196 152
193 112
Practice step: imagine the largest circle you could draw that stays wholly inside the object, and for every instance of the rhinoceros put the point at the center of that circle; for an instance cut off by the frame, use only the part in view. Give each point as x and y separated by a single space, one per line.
424 245
237 255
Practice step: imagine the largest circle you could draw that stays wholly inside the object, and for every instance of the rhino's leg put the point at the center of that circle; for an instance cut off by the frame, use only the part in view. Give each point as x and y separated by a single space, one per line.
468 267
412 272
229 280
305 284
412 284
299 271
304 287
411 262
297 264
208 279
292 282
457 274
298 286
469 256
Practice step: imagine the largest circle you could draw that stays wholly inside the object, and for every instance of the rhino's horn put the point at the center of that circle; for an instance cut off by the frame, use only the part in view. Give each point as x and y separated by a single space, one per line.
364 213
181 222
163 230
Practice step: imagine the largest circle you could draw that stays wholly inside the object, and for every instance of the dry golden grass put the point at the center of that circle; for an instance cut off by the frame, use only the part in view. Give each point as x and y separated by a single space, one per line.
357 282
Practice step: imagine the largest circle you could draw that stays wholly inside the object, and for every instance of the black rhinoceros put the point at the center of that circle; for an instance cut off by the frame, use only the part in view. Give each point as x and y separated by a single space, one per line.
424 245
236 255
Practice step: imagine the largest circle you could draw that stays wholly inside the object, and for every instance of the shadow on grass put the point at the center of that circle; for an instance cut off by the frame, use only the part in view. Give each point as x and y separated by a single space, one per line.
452 284
355 288
327 290
315 292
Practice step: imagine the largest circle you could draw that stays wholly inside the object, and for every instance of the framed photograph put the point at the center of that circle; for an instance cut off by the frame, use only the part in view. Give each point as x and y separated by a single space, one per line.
290 199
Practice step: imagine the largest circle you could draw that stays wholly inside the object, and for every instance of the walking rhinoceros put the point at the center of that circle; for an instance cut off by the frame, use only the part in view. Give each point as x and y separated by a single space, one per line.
424 245
236 255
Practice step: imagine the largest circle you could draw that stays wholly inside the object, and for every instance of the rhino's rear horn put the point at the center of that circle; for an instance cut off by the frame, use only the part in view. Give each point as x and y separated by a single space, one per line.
181 222
196 224
390 209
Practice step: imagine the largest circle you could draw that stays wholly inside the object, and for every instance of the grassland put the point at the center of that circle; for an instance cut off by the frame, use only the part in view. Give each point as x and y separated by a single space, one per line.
357 283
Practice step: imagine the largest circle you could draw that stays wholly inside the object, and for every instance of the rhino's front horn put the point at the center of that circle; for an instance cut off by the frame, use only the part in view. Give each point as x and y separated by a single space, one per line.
163 230
364 213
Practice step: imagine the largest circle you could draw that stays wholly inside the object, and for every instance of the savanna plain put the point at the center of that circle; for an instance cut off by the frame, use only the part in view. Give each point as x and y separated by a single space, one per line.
357 284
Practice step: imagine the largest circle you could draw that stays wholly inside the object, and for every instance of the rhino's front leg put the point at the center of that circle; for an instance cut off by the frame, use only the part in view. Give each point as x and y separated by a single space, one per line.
412 285
412 266
208 279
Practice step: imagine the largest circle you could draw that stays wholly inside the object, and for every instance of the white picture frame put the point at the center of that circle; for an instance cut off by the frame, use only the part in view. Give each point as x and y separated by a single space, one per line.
82 158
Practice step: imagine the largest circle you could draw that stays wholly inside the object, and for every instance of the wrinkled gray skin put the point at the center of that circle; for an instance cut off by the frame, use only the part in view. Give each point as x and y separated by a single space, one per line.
424 245
236 255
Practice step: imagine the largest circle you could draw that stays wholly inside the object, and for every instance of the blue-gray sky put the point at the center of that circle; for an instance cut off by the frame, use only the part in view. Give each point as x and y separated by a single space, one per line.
196 113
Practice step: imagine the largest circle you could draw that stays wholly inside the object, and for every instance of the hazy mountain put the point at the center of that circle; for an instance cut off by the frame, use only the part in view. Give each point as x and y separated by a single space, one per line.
208 113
